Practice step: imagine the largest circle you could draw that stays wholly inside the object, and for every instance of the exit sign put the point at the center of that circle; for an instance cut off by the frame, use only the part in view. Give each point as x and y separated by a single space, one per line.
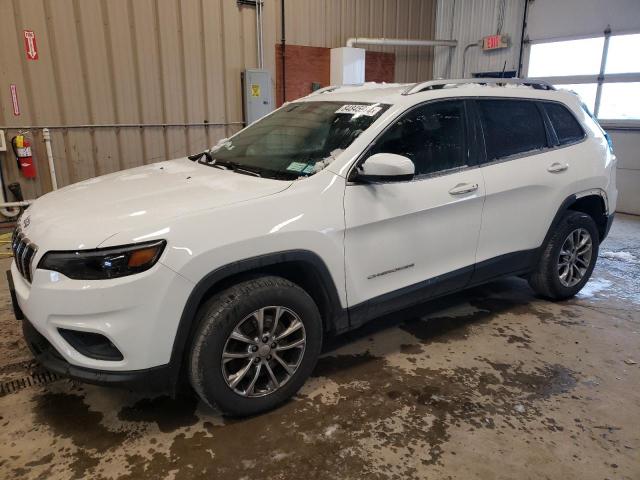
495 42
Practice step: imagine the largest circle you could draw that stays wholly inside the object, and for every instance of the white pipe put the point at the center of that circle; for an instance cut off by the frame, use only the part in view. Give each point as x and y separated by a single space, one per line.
3 204
120 125
400 42
464 57
52 167
11 209
258 35
8 209
261 36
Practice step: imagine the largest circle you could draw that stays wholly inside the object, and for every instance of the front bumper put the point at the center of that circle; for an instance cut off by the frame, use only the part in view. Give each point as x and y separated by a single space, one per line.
138 314
157 379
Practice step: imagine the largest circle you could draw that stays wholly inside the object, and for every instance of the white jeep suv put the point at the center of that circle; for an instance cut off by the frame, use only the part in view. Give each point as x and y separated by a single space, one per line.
227 268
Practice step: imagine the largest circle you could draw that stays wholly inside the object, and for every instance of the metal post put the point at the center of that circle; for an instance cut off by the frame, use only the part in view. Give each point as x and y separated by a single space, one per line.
603 66
52 168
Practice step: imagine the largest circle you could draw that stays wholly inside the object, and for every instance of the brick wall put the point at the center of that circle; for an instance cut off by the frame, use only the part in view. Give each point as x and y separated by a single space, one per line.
305 65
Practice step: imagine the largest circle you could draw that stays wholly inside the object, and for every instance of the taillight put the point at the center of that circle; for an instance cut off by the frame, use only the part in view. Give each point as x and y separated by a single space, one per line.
609 141
593 117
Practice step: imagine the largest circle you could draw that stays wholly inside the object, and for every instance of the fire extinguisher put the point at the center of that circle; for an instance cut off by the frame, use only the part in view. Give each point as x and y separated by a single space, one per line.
22 149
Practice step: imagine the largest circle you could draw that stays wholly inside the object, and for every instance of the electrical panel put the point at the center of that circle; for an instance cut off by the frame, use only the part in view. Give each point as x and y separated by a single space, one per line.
258 98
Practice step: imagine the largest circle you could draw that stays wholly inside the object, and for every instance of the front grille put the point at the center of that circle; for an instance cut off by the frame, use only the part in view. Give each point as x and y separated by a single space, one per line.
23 252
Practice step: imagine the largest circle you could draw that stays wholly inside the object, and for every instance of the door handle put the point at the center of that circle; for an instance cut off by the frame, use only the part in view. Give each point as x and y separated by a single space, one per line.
463 188
557 167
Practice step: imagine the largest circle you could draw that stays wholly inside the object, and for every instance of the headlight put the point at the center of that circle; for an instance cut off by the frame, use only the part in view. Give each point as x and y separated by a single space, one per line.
103 263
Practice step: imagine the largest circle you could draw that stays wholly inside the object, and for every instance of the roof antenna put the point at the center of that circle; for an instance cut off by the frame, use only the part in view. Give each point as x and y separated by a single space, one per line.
503 69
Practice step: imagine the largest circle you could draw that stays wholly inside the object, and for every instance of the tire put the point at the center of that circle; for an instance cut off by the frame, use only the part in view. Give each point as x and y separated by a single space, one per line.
236 310
546 279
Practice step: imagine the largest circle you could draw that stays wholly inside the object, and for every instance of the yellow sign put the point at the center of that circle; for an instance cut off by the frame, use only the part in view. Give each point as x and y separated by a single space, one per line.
255 90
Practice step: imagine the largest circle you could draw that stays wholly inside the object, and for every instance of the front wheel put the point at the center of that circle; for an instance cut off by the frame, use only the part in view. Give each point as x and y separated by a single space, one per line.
256 344
568 258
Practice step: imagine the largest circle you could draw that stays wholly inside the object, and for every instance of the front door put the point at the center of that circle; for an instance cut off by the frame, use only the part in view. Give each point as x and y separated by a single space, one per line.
408 240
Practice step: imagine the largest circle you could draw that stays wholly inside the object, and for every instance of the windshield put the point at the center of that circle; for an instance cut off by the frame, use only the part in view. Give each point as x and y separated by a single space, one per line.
298 140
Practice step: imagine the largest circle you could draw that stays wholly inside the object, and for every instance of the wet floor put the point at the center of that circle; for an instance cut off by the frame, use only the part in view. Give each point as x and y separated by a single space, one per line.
489 383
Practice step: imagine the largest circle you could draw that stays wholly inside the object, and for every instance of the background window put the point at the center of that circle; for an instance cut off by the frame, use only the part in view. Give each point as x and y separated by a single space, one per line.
623 55
586 91
564 123
432 136
620 101
511 127
604 73
572 57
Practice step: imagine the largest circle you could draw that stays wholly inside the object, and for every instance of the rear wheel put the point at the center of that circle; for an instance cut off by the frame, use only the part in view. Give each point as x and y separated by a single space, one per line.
256 344
568 258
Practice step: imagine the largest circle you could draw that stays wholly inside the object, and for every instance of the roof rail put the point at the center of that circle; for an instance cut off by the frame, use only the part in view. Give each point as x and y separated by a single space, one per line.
328 89
356 88
438 84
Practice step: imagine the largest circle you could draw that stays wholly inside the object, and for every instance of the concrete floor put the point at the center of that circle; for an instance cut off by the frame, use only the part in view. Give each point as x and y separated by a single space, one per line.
490 383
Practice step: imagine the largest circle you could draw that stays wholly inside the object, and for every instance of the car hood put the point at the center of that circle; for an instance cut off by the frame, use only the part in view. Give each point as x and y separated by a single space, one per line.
85 214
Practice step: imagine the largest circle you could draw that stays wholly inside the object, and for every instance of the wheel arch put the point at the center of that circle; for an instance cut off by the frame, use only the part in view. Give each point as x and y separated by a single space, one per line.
591 202
302 267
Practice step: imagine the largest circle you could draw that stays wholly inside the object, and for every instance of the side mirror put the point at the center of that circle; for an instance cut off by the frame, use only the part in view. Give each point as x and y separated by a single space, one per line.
385 167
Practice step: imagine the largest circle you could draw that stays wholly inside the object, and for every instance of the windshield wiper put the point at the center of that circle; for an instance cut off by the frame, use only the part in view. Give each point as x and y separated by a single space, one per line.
198 156
247 172
227 165
221 164
205 158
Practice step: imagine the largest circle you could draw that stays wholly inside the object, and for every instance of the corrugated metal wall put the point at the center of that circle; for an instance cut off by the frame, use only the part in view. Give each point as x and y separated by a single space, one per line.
329 23
468 21
151 66
125 62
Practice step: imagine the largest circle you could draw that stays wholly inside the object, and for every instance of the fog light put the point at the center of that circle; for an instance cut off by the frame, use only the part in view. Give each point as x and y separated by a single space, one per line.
92 345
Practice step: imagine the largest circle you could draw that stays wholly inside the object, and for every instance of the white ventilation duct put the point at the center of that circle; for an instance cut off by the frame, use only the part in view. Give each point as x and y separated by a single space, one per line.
400 42
347 66
348 63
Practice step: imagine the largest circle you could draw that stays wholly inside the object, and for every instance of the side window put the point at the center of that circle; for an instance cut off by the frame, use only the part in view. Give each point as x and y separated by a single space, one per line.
432 136
564 123
511 127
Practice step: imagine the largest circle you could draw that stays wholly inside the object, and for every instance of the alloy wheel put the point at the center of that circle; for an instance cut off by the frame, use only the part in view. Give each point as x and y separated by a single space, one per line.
263 351
575 257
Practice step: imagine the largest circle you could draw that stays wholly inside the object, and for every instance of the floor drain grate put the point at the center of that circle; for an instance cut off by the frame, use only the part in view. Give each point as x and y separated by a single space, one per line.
18 384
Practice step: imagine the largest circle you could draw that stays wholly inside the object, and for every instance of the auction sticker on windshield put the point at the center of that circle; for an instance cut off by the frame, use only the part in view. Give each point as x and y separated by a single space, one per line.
296 166
368 110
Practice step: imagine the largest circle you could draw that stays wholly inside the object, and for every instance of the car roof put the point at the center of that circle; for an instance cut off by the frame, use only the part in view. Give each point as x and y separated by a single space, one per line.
396 93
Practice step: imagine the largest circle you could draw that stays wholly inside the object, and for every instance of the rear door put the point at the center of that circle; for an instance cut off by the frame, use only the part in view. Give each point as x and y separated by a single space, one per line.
408 240
525 180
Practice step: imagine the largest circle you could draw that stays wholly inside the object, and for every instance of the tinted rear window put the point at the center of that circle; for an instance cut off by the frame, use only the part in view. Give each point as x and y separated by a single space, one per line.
564 123
511 127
